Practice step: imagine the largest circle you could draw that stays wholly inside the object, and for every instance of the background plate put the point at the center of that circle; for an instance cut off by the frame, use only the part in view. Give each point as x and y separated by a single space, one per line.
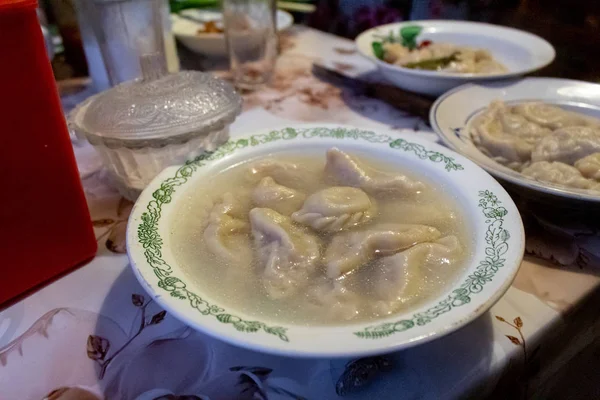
520 51
453 112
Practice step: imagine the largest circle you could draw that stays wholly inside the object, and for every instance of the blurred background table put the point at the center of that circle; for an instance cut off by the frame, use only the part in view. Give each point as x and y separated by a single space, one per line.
96 331
570 25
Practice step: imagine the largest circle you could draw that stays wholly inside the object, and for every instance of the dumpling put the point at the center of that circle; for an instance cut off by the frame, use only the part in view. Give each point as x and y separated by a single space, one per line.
284 200
567 145
486 64
393 52
335 208
552 117
589 166
560 174
395 272
406 212
396 278
400 55
497 135
517 125
335 298
285 173
346 171
288 253
348 251
226 232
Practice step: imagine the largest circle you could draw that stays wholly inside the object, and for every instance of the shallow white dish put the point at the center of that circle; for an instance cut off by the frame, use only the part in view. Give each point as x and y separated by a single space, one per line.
452 114
498 245
211 44
519 51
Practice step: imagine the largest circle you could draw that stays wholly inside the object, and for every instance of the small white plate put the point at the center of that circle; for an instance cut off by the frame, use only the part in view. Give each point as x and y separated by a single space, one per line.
452 114
519 51
493 219
211 44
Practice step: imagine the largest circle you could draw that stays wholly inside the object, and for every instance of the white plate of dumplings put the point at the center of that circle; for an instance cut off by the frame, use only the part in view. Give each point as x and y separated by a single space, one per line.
332 232
540 134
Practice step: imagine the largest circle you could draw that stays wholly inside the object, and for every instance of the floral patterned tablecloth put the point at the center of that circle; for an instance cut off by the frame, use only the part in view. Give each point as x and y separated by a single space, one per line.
94 333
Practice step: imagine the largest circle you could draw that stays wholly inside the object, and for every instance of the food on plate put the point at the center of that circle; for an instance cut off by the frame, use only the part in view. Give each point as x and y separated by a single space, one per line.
567 145
238 22
214 26
351 250
405 51
335 208
560 174
287 254
589 166
320 238
270 194
348 171
224 234
542 141
398 270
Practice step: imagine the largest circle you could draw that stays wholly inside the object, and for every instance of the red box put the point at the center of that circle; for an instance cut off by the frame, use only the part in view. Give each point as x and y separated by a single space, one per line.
45 226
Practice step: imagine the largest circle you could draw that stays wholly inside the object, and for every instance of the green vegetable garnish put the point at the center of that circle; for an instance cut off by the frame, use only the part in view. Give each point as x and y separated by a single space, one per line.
378 49
390 38
433 64
409 35
408 38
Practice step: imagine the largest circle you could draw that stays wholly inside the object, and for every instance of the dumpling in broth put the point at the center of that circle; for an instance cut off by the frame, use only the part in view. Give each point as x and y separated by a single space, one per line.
408 212
288 253
284 200
335 208
334 297
590 166
552 117
281 241
346 171
226 232
397 276
284 173
348 251
567 145
395 279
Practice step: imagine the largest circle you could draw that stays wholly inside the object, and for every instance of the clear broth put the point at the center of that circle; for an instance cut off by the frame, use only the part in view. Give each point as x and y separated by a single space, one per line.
241 289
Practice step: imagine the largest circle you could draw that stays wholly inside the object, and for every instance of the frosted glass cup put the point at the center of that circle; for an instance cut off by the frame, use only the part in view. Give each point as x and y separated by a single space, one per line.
251 41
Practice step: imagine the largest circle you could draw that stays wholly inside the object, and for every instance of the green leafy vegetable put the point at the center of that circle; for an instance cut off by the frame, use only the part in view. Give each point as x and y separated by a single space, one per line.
433 64
408 38
409 35
378 49
179 5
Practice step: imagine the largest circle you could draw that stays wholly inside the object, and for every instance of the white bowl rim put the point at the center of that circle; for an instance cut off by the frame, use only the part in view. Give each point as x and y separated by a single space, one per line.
499 170
220 36
308 339
547 47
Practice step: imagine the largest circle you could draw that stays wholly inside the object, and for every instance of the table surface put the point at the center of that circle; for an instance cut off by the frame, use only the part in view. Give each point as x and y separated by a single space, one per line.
89 330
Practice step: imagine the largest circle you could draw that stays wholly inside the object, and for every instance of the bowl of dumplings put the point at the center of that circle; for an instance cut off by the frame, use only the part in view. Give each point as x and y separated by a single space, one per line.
325 241
541 135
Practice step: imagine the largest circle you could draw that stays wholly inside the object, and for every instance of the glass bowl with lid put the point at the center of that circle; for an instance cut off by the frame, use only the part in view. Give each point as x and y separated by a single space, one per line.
143 126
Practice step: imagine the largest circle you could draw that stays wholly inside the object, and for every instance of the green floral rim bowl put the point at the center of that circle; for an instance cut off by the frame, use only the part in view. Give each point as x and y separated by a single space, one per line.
498 246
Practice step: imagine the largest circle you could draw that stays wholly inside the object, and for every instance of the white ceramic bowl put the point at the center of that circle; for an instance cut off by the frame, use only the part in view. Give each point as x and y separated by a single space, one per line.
498 245
211 44
452 114
519 51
